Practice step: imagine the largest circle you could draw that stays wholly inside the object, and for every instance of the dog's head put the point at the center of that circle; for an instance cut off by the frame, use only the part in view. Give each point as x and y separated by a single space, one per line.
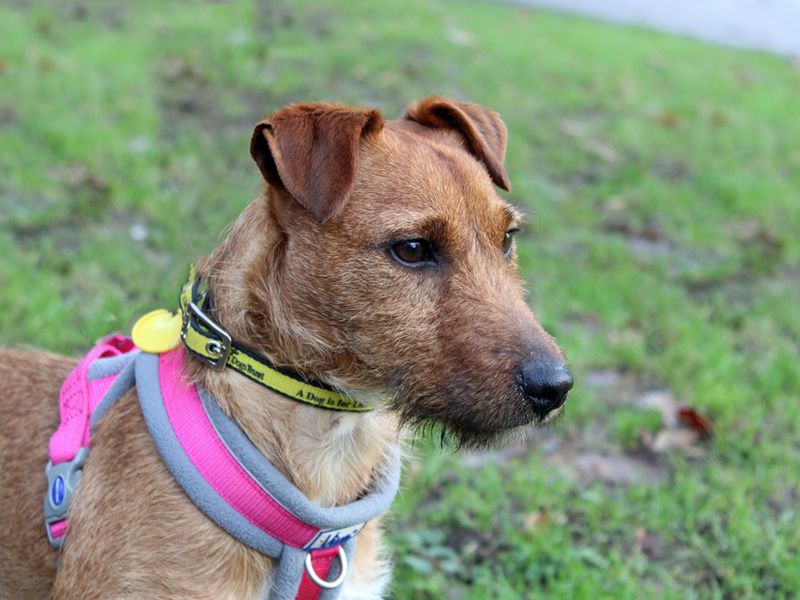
391 265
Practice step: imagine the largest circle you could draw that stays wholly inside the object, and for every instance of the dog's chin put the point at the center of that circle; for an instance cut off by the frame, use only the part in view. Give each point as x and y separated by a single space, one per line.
511 436
458 434
522 433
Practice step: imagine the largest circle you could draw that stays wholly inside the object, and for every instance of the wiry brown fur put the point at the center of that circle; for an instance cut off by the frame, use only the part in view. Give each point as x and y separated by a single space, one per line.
305 277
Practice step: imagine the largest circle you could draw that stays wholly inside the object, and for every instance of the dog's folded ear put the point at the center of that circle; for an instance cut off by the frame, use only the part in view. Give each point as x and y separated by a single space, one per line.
482 130
312 150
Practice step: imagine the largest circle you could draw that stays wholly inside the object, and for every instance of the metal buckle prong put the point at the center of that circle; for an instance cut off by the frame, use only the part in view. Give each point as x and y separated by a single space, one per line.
220 349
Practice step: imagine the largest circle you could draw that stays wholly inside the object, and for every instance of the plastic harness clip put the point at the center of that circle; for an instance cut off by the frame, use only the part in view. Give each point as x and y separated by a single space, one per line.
62 483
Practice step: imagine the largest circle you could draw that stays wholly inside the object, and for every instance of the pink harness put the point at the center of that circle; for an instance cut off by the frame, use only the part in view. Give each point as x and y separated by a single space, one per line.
69 445
214 462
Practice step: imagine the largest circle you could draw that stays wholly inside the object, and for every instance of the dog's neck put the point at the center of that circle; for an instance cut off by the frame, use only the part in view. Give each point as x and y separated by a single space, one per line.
330 456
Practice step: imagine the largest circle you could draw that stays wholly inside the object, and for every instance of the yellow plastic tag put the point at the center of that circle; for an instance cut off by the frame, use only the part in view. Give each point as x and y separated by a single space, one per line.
158 331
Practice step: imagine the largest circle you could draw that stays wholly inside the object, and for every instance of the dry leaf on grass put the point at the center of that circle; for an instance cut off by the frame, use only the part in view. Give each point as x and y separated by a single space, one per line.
668 440
664 402
684 427
691 419
674 414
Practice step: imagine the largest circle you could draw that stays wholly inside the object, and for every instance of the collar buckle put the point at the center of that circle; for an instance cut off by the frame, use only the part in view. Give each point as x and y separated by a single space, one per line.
219 348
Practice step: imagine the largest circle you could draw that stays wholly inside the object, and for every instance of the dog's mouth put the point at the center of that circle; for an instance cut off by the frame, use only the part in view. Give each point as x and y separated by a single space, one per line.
473 424
520 433
523 433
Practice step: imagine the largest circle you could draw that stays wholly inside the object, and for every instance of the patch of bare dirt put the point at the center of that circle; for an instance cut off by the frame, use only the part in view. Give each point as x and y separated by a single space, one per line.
645 239
586 135
614 468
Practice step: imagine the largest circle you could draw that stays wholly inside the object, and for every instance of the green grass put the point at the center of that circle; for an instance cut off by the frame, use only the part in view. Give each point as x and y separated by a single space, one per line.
662 180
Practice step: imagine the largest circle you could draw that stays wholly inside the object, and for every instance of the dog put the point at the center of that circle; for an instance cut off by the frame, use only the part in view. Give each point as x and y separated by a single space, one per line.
379 261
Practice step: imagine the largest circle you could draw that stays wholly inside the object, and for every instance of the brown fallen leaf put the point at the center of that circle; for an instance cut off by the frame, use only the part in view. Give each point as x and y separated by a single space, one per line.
664 402
689 417
667 440
674 415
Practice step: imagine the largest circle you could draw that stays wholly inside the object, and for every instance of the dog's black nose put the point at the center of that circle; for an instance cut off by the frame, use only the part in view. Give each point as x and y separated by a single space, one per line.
545 383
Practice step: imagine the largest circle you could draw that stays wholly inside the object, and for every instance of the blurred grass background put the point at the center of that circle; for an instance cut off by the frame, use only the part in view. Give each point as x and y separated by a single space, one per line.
662 181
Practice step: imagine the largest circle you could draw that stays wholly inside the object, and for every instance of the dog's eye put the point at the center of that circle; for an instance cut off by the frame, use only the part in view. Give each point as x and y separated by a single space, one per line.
508 239
412 253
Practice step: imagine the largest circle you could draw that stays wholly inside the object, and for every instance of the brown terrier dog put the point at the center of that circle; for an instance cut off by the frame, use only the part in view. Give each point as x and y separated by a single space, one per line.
379 260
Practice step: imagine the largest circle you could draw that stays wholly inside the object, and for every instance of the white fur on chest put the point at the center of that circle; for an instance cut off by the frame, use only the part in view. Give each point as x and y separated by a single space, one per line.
365 590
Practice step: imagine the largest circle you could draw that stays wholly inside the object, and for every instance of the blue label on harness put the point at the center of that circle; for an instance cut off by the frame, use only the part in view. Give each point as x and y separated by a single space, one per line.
57 491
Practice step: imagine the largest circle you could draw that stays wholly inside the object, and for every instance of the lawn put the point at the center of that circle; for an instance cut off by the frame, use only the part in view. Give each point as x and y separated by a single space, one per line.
661 177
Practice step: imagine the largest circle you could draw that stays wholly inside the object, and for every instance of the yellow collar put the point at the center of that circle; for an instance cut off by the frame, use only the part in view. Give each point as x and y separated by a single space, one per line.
215 347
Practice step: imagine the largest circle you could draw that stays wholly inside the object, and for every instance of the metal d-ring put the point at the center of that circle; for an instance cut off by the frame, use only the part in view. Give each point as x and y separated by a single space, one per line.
328 585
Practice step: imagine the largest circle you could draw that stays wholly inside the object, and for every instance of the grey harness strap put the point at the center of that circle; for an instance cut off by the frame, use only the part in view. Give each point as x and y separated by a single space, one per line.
338 526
